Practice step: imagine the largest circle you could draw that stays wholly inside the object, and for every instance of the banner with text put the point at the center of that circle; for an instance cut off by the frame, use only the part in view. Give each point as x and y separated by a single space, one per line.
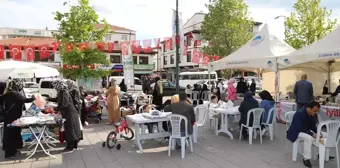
127 61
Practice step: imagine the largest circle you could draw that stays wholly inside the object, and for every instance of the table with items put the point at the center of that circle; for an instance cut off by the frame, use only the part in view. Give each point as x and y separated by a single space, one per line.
140 119
229 116
37 126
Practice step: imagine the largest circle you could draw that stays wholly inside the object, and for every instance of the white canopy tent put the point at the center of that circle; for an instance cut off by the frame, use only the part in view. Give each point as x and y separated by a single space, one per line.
19 69
260 52
322 55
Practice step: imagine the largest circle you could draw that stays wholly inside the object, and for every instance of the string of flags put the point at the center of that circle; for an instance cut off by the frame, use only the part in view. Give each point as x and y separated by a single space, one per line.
45 49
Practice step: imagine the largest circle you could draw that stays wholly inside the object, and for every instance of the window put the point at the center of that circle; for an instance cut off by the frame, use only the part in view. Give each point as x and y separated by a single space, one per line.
194 77
37 32
164 47
188 41
183 77
115 59
135 60
172 59
46 84
138 82
108 37
124 38
22 31
165 61
143 60
212 76
189 56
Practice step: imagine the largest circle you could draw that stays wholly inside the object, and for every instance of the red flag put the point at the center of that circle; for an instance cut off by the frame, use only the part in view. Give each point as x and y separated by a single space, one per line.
216 57
44 51
110 46
15 51
136 46
69 47
190 36
100 46
55 46
185 52
147 46
178 40
156 41
196 57
206 59
2 52
197 43
168 43
83 46
124 47
30 52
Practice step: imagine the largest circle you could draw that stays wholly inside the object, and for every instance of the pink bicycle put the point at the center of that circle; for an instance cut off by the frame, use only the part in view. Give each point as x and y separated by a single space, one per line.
122 130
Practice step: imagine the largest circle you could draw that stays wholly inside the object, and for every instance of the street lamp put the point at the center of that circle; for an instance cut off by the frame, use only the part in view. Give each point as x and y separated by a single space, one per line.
177 49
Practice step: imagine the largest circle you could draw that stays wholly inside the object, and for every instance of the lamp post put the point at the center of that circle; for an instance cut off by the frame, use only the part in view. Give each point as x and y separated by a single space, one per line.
177 49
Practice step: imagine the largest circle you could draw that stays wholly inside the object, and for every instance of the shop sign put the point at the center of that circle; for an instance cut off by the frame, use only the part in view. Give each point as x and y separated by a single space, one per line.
141 66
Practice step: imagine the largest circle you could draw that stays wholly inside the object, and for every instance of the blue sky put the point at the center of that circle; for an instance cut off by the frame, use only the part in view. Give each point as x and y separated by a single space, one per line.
150 18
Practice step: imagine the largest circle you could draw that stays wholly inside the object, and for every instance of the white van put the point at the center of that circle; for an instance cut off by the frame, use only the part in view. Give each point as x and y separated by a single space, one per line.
138 82
192 78
46 88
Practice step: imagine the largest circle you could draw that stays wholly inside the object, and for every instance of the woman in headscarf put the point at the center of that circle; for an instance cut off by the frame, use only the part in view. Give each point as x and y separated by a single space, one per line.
14 102
123 86
247 104
69 112
158 94
267 103
112 95
76 98
252 86
231 90
242 86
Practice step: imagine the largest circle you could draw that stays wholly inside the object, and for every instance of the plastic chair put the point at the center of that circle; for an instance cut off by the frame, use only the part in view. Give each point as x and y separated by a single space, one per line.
205 96
289 118
257 113
331 140
212 119
272 111
202 112
195 97
175 121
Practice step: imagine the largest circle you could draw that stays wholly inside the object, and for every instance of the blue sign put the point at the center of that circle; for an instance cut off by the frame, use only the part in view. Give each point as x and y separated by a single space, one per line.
117 67
270 64
286 60
256 40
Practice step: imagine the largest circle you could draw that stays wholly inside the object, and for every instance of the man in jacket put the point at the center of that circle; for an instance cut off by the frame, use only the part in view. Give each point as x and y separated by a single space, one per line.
303 91
183 108
303 128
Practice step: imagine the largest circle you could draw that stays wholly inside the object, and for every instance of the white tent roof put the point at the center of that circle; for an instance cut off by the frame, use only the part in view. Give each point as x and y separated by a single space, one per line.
316 54
20 69
259 53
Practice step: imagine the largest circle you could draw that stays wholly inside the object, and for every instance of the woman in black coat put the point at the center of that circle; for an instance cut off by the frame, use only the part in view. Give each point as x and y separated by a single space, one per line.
83 113
70 113
14 102
247 104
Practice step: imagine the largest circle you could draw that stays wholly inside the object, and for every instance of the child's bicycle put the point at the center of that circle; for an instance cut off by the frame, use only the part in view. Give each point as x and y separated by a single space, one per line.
122 130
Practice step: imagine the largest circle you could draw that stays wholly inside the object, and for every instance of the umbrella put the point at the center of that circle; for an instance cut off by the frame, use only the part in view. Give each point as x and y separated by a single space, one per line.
20 69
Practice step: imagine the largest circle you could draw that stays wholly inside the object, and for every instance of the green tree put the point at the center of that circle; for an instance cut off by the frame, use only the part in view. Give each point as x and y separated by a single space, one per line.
226 26
78 26
309 23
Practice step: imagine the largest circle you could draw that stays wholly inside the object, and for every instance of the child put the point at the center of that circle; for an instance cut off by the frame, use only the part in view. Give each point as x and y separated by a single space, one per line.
214 104
188 91
146 109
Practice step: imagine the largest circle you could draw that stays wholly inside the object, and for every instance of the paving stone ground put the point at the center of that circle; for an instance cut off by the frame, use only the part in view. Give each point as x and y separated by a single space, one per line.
211 152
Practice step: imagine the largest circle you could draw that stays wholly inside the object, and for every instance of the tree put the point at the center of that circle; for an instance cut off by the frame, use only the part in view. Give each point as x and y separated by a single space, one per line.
226 27
78 26
309 23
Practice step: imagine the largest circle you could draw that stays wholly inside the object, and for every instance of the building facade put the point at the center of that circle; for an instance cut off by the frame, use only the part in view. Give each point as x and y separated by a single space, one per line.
166 60
144 64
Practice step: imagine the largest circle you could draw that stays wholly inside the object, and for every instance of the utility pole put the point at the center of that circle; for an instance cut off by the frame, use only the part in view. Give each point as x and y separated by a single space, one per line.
177 49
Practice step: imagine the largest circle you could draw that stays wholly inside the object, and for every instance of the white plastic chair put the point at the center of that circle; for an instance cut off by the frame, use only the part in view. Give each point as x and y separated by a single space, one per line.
289 118
195 95
175 121
331 140
272 111
202 112
205 96
215 119
257 112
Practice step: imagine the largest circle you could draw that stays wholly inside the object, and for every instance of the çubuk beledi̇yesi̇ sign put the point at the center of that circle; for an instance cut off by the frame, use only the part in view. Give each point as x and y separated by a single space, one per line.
127 61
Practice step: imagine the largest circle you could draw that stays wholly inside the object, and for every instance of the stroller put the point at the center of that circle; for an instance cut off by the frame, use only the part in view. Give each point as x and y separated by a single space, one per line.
94 110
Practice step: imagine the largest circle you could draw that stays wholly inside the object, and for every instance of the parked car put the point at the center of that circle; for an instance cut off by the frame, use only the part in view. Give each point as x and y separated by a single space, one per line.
32 87
138 82
46 89
169 88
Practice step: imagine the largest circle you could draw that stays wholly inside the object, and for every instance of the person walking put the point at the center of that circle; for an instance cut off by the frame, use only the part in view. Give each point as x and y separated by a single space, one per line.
303 91
113 102
158 94
146 85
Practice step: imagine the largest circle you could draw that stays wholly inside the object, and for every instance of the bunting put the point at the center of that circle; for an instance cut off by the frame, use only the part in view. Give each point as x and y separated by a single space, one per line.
124 47
2 52
147 46
100 46
196 57
156 41
69 47
110 47
185 52
55 46
44 51
83 46
135 46
15 52
206 59
168 43
197 43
